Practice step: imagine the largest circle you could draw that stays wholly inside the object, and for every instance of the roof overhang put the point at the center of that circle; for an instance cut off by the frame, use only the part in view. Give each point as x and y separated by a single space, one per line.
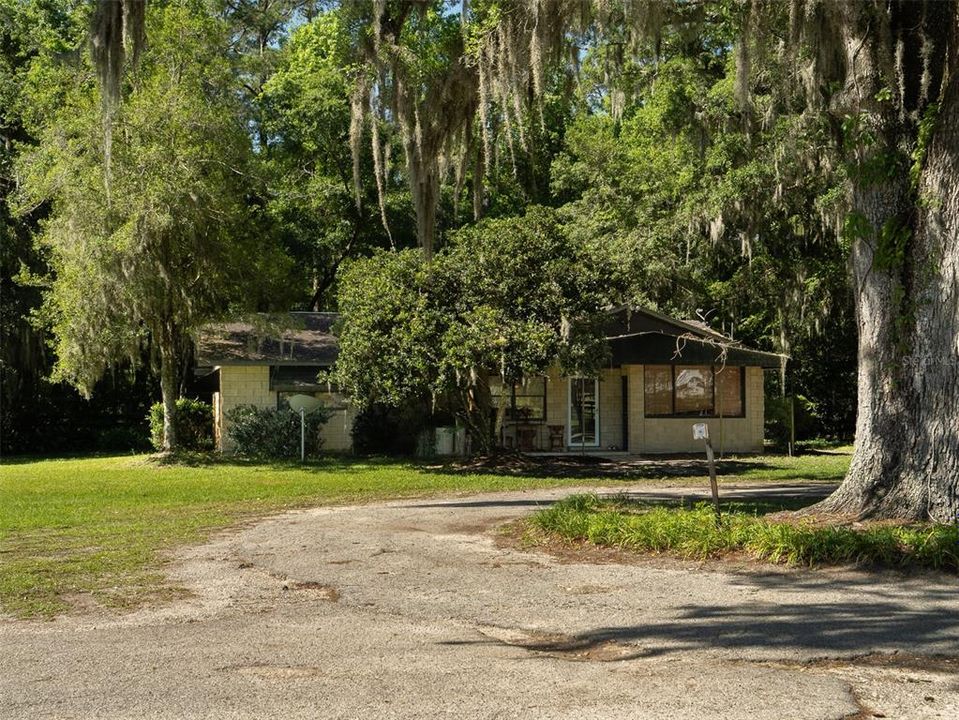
659 348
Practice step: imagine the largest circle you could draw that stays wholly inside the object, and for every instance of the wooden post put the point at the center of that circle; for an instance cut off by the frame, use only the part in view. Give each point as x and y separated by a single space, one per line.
302 435
713 484
701 431
792 425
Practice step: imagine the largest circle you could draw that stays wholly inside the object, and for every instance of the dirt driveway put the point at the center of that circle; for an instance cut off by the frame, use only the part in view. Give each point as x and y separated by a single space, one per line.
410 609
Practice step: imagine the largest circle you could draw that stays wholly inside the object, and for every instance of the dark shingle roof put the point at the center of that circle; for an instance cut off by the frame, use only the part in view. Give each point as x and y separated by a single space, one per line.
296 338
646 337
635 335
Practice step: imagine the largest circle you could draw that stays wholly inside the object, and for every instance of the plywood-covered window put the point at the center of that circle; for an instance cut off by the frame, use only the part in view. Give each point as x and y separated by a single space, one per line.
694 391
729 392
659 390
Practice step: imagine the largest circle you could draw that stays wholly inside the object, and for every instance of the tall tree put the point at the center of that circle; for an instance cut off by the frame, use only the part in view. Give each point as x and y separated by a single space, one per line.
146 249
506 297
888 73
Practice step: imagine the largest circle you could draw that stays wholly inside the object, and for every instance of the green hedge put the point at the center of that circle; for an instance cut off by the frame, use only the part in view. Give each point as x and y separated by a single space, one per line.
192 424
265 433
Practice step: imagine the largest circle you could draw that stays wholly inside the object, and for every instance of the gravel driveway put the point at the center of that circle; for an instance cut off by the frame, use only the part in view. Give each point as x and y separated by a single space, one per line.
411 609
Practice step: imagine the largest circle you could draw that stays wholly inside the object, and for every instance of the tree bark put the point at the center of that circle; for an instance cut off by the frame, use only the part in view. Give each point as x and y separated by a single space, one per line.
168 390
906 461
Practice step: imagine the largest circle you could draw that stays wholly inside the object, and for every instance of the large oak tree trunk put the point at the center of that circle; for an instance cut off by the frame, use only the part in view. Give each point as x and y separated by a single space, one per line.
906 461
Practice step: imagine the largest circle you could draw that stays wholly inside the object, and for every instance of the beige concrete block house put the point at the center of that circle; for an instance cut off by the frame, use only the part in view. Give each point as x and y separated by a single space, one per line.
264 365
664 375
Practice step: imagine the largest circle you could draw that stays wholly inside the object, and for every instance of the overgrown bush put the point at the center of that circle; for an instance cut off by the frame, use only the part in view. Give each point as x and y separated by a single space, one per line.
192 425
781 412
270 434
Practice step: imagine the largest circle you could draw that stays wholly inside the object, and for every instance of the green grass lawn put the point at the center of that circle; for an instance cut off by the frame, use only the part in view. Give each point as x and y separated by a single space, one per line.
73 529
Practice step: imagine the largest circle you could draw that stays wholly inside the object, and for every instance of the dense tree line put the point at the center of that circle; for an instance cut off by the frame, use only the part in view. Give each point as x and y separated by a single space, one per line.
647 155
238 155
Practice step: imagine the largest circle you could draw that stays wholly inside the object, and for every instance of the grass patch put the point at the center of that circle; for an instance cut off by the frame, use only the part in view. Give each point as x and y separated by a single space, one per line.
74 529
97 527
693 534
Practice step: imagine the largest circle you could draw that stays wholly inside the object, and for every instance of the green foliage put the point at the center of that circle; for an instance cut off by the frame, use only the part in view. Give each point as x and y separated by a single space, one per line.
506 297
149 233
274 434
706 206
927 126
193 421
695 534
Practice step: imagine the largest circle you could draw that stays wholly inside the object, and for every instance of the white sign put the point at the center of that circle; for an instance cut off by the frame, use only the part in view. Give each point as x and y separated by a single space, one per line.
700 431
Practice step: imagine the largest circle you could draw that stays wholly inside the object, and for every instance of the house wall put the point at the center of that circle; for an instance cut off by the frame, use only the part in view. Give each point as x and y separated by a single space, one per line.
250 385
610 407
675 435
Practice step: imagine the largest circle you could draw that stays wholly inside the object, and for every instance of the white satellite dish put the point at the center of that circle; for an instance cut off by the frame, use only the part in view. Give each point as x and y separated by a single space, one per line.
303 404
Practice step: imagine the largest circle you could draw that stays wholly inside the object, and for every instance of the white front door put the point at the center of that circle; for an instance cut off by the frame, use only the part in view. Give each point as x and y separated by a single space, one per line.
583 413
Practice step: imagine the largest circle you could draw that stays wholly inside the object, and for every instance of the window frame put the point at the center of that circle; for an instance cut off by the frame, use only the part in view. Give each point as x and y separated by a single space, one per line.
512 409
686 416
569 414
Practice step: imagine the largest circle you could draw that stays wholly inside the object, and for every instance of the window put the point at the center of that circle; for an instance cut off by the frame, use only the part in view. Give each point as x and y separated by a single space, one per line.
659 390
527 401
694 391
583 412
729 392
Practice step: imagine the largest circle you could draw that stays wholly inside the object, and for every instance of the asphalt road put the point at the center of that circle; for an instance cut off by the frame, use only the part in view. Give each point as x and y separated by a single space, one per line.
412 609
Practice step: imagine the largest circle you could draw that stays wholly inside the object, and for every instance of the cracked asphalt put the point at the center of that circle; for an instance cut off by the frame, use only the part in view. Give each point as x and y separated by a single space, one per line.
413 609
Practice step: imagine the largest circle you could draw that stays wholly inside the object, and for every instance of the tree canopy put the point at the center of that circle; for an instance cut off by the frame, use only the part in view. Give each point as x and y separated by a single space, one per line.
731 160
506 297
147 236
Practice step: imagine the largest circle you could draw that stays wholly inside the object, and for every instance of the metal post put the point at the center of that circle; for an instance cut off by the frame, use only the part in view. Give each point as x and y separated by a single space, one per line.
302 435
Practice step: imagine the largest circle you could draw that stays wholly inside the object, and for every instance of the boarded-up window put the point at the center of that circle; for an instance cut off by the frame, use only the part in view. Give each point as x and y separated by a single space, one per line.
659 390
729 391
694 390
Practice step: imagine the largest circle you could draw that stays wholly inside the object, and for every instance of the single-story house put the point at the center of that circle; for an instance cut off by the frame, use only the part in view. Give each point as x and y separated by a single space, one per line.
663 376
263 365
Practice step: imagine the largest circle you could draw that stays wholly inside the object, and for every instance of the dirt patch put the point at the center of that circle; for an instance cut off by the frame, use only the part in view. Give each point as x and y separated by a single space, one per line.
321 591
563 647
945 664
592 466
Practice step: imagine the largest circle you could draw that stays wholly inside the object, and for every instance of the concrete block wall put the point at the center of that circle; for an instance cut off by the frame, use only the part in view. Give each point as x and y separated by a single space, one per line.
637 399
240 385
336 433
610 405
611 409
250 385
669 435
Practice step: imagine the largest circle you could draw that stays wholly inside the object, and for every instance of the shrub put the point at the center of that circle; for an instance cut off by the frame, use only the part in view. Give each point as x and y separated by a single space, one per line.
123 438
266 433
385 430
694 534
192 424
